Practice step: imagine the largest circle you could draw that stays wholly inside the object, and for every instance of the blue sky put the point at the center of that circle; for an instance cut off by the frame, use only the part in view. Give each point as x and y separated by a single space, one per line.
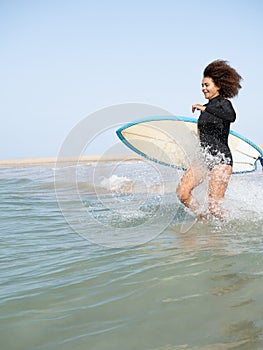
63 60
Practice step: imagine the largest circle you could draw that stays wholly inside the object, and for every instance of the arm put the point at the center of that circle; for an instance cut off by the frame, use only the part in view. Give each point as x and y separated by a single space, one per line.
222 109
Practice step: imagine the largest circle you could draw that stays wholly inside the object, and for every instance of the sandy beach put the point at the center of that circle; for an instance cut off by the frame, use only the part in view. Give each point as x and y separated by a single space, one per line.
20 162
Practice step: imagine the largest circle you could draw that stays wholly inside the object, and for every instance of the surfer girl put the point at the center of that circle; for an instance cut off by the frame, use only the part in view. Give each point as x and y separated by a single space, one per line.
220 82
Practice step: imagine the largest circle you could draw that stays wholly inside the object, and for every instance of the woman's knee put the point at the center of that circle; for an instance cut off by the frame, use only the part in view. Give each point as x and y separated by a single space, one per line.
183 194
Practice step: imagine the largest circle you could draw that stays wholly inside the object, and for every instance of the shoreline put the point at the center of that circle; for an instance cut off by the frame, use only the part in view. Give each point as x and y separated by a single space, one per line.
20 162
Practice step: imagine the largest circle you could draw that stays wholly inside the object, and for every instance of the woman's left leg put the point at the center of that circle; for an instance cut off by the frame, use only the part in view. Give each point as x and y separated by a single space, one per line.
218 182
190 179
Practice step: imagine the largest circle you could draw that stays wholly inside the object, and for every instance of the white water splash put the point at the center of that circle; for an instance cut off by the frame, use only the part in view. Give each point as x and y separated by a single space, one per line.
117 183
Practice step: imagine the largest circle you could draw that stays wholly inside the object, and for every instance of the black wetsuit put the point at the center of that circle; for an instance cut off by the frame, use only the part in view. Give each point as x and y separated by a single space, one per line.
213 126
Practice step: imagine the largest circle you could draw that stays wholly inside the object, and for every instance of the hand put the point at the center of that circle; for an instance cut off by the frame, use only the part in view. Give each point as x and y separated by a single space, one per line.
198 107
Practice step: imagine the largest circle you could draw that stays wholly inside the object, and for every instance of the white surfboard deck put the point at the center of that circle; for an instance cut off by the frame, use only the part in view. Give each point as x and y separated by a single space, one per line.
173 141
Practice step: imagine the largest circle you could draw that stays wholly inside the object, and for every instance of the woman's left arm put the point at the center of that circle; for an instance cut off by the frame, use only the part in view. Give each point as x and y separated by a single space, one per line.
222 109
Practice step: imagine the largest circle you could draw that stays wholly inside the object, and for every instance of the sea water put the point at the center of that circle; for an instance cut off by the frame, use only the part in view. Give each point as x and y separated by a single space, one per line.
113 261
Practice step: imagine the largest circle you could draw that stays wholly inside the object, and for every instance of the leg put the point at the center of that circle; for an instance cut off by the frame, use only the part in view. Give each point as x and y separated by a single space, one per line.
219 179
191 178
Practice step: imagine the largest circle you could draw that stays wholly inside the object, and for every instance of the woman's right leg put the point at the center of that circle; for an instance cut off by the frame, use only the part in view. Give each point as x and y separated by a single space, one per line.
191 178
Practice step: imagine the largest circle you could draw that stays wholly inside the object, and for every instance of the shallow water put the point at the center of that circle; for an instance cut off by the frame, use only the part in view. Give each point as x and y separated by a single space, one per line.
167 287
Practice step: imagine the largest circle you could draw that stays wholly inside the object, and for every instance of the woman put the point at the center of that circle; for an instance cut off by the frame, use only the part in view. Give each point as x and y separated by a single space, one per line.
220 82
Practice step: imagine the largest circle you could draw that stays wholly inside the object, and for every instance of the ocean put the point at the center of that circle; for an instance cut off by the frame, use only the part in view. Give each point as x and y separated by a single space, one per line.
102 256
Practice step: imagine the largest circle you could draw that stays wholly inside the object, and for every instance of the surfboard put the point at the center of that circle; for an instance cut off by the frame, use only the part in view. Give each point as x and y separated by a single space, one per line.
173 141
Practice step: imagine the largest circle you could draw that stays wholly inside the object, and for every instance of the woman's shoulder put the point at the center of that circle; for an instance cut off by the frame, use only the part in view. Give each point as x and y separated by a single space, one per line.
220 101
224 100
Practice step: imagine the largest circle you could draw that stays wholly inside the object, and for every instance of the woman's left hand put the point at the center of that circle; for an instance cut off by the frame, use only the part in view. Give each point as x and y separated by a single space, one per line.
198 107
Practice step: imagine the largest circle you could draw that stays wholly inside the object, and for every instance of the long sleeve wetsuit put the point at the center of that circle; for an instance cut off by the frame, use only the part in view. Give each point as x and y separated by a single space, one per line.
213 126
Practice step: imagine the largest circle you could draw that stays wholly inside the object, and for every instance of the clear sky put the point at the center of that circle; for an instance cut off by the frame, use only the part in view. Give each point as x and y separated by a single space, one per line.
62 60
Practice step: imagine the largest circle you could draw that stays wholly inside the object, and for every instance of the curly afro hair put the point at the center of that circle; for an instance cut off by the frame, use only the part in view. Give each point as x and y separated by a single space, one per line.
225 77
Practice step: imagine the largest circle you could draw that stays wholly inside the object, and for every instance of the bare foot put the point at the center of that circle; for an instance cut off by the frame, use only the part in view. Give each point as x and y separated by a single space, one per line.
202 218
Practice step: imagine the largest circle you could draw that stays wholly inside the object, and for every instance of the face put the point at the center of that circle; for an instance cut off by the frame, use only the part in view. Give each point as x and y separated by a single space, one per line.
209 88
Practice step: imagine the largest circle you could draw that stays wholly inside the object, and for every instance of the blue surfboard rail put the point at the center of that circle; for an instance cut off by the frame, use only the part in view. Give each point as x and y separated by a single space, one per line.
184 119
